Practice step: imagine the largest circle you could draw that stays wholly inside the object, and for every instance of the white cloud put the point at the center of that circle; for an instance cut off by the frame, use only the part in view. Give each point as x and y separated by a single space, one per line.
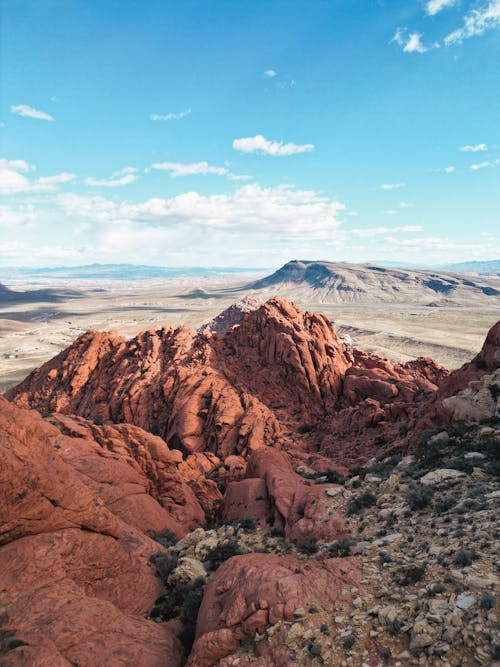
270 73
481 165
377 231
391 186
410 42
181 169
116 180
449 170
29 112
476 23
414 44
474 149
13 216
251 208
259 144
14 181
170 115
391 211
406 204
16 165
435 6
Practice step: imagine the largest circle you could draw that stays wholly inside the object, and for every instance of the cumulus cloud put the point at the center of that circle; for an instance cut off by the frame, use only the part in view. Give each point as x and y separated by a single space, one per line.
411 42
29 112
476 23
170 115
262 146
182 169
116 180
435 6
251 208
391 186
13 216
449 170
481 165
13 179
270 73
477 148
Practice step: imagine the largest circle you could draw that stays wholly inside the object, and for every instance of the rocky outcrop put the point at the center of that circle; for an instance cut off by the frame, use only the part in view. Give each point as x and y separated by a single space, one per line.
75 581
258 427
168 381
480 400
250 593
275 494
231 316
280 370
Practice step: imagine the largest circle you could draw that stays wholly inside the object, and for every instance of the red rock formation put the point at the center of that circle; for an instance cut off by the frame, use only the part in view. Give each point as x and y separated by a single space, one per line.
166 381
75 581
252 592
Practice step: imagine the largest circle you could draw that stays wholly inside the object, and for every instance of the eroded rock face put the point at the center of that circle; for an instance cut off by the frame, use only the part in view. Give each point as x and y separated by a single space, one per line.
238 414
252 592
274 493
230 395
75 581
478 401
231 316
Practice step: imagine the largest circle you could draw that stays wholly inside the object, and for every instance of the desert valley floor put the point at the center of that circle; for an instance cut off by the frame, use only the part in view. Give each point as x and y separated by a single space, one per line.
51 313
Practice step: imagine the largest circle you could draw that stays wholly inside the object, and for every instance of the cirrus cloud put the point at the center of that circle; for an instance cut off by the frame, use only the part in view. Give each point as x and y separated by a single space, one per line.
116 180
26 111
262 146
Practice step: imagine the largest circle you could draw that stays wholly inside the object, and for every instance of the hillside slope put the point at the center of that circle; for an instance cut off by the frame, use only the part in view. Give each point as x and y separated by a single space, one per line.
339 282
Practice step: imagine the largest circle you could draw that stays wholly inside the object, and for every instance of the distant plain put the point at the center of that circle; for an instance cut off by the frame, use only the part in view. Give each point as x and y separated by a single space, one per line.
36 327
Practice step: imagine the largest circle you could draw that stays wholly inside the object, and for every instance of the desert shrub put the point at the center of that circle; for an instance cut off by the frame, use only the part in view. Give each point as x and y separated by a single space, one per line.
308 545
223 551
277 532
465 557
334 477
8 641
444 504
248 524
385 653
487 601
341 548
410 575
98 420
394 628
164 564
167 538
418 497
189 612
366 499
183 601
305 428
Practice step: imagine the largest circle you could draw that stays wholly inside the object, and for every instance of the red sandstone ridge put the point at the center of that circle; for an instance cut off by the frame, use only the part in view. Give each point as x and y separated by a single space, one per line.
174 413
75 581
276 370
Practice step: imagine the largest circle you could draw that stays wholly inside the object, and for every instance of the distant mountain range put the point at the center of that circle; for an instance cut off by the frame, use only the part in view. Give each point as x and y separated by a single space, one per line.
341 282
144 272
489 267
117 271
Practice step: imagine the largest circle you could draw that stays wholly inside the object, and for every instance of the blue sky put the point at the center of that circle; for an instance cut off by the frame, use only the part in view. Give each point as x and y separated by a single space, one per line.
224 133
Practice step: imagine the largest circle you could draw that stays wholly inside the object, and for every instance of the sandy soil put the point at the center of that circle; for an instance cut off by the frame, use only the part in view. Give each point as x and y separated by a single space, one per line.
33 332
